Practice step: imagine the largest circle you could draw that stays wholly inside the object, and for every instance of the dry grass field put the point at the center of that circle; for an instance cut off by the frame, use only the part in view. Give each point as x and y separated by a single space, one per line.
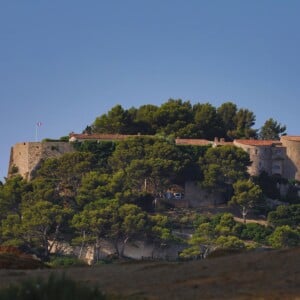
266 275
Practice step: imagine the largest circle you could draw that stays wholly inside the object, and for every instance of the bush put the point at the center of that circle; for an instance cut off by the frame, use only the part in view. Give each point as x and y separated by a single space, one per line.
285 215
58 288
255 232
229 242
284 237
65 261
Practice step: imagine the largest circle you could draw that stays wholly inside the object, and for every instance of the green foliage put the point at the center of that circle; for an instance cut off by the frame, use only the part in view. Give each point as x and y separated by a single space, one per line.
222 166
11 194
58 261
100 150
55 287
285 215
191 252
146 165
117 120
222 231
284 237
64 174
178 118
243 121
271 130
229 242
227 112
256 232
246 195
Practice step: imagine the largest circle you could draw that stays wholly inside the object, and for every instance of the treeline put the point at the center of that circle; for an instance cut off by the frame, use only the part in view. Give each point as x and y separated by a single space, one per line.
182 119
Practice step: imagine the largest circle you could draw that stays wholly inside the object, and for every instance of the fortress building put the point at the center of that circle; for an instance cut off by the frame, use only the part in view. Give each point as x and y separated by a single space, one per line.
274 157
26 157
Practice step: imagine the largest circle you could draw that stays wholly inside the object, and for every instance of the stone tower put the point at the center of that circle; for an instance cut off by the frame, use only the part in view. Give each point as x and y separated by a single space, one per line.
26 157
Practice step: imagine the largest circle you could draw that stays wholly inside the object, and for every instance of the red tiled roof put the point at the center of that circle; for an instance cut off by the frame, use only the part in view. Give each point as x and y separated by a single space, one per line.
223 143
100 136
258 142
193 142
295 138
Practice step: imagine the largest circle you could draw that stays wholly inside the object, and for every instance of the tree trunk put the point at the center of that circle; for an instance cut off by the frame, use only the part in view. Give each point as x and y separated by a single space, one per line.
82 244
244 214
123 246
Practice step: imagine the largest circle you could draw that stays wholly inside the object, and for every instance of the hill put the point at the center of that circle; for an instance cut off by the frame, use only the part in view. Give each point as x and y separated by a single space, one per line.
255 275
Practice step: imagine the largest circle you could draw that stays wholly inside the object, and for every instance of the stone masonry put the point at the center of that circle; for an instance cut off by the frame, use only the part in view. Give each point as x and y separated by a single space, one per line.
26 157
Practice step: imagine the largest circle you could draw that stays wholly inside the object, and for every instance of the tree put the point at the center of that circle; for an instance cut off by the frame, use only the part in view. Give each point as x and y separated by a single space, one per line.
94 223
244 120
272 130
227 112
207 121
93 187
11 195
284 237
285 215
222 166
133 223
115 121
229 242
112 221
38 227
172 116
65 173
246 195
148 164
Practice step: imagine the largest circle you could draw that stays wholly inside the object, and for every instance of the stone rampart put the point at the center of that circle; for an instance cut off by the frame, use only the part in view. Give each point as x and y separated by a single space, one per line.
26 157
292 165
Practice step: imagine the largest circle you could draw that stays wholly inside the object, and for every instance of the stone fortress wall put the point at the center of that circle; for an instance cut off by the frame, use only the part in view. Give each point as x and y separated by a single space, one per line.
26 157
268 156
275 157
292 145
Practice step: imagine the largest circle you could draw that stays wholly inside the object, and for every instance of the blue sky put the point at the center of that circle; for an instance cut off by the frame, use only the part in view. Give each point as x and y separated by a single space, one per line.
65 62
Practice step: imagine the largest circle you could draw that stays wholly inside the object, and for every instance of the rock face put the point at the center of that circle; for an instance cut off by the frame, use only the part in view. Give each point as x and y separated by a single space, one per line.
136 250
26 157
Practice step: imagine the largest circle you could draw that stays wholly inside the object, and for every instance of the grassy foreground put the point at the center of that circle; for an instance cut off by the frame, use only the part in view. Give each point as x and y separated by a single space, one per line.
264 275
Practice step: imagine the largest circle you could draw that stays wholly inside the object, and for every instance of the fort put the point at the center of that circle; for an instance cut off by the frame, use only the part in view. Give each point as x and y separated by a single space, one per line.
275 157
26 157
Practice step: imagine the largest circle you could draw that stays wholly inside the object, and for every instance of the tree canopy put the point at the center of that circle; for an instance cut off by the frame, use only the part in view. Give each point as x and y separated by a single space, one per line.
179 118
271 130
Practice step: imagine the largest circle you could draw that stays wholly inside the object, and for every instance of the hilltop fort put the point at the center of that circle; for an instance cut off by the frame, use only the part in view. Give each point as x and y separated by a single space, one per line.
275 157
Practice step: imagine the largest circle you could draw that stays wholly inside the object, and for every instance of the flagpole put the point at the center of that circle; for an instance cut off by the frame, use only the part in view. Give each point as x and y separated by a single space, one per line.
36 132
37 125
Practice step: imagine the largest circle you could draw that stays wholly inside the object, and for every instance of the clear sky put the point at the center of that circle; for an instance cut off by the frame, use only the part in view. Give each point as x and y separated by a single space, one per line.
65 62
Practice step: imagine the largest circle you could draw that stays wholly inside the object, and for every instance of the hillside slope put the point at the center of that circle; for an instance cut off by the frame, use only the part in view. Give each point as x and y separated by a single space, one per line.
265 275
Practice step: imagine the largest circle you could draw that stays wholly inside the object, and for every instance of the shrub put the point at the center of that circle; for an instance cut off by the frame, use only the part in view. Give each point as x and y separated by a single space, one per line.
255 232
284 237
229 242
65 261
58 288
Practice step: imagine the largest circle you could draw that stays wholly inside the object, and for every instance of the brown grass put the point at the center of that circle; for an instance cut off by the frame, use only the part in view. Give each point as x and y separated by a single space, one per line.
265 275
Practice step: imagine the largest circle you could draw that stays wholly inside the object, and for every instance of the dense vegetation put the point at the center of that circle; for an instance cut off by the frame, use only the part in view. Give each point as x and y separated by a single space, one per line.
182 119
117 191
